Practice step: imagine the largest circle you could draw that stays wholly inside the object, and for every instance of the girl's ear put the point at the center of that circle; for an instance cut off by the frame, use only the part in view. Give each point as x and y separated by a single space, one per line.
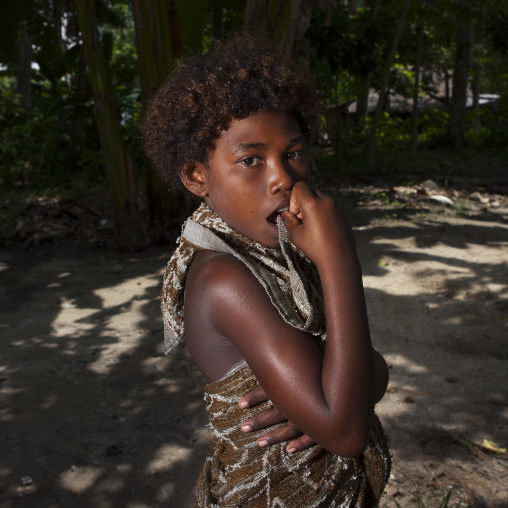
194 179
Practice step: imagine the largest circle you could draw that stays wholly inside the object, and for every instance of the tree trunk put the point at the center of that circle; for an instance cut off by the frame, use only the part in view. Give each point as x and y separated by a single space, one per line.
176 28
416 90
155 58
256 20
384 87
277 19
351 8
362 101
192 15
447 88
218 19
477 70
24 69
120 167
154 44
475 88
464 43
286 22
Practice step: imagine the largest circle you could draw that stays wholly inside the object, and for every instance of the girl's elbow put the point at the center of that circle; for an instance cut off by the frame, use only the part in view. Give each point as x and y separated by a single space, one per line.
351 446
350 450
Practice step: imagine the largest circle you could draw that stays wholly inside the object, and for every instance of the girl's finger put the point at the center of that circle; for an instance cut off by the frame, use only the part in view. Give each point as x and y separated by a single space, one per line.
301 443
300 194
263 420
280 435
253 398
294 208
291 221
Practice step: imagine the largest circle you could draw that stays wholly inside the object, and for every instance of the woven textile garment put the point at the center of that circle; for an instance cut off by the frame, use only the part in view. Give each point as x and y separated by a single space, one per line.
237 472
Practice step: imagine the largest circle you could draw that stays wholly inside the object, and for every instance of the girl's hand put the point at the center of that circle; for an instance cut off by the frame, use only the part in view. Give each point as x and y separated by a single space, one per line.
272 417
317 226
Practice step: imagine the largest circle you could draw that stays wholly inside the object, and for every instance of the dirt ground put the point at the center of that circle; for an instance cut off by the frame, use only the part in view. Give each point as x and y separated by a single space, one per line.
92 414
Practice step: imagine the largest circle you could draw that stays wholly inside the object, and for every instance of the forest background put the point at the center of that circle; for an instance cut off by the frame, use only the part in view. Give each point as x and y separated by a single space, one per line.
408 86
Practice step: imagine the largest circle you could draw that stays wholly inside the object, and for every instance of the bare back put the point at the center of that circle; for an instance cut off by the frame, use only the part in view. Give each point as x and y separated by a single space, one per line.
213 353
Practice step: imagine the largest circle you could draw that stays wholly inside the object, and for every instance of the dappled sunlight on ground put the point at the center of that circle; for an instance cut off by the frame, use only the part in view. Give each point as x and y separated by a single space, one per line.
438 310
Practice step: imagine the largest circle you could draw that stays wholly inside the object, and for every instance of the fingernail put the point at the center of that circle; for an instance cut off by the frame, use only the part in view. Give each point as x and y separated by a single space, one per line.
246 428
263 442
243 404
292 450
281 215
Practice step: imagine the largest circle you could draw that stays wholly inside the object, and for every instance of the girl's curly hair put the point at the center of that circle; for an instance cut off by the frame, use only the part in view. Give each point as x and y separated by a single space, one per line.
205 93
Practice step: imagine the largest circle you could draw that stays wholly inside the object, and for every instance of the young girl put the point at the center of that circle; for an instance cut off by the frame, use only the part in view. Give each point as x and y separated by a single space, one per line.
267 286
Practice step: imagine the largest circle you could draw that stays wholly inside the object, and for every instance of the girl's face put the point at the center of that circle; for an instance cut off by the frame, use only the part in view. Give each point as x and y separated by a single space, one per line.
251 172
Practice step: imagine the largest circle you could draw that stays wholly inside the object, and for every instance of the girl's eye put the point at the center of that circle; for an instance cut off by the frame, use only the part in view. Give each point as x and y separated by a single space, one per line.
251 161
297 154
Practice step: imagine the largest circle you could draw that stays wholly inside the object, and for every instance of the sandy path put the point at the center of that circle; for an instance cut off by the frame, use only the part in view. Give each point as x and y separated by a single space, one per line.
93 415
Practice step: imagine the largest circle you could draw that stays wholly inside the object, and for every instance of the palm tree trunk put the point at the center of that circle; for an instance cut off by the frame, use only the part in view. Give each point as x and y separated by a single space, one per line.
24 69
464 40
155 45
416 91
362 100
120 167
286 22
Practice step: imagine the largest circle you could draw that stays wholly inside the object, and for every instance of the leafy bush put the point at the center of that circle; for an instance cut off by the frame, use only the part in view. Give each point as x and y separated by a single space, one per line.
393 133
49 144
489 127
433 124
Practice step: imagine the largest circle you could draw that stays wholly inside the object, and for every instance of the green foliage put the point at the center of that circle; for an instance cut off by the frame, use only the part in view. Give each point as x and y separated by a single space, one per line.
56 143
497 28
124 75
344 51
494 76
493 119
123 59
393 133
433 123
225 17
48 144
14 134
402 80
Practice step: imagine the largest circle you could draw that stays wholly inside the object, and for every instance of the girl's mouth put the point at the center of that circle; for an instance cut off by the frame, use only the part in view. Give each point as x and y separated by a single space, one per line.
272 218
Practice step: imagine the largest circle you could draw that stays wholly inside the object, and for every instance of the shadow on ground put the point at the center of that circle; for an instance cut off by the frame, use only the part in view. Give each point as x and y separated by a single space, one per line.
92 413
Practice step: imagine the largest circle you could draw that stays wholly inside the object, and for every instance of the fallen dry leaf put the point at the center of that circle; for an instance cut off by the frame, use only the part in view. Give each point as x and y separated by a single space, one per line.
490 447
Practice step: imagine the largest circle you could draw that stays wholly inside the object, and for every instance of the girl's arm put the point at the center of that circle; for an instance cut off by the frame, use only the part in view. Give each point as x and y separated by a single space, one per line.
331 397
289 432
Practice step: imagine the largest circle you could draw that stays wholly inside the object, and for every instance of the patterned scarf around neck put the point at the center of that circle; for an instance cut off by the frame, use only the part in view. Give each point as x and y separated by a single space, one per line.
289 278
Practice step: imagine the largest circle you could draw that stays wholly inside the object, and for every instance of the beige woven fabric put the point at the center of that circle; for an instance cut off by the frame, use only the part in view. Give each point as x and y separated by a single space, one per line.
237 472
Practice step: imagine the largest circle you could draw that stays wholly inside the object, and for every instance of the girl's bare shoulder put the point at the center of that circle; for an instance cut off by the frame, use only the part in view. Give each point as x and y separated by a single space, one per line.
212 271
217 286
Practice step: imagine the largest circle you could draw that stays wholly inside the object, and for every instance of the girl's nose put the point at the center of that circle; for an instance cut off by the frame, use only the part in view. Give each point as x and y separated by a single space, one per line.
281 177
